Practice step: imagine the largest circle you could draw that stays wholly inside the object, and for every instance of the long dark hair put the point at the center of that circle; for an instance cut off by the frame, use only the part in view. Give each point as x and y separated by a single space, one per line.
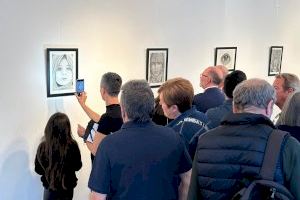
57 139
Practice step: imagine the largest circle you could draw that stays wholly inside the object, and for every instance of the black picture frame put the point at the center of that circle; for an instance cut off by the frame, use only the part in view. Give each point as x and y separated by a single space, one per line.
61 71
226 56
275 60
156 66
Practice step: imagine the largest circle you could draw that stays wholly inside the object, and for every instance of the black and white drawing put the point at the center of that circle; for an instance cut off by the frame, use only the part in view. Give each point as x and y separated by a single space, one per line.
275 60
62 71
157 64
226 56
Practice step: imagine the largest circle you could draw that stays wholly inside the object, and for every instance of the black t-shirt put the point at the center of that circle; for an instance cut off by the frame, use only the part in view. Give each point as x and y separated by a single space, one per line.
111 121
139 162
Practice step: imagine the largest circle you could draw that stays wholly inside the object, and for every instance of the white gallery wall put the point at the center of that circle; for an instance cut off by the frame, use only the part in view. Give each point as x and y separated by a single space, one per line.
113 36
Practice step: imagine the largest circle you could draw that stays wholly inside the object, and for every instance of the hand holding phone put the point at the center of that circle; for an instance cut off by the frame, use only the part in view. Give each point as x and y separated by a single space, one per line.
79 86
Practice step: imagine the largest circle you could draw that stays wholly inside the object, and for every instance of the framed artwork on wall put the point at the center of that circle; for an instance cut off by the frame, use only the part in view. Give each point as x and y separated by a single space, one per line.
275 60
226 56
157 66
62 71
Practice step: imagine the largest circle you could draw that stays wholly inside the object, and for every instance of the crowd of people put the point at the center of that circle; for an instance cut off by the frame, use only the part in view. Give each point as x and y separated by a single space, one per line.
178 145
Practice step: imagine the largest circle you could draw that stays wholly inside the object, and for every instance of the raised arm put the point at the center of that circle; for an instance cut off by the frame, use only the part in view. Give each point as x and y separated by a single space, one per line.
82 101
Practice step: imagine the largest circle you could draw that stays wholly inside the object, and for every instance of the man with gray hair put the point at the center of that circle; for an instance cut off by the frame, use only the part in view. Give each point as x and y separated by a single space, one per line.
110 121
285 84
141 160
234 152
210 79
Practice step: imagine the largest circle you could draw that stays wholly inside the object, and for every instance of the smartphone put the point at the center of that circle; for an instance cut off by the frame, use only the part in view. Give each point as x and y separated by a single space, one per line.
79 86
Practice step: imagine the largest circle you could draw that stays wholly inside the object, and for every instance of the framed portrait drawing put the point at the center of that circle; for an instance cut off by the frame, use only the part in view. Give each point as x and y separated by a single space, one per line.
275 60
157 66
62 71
226 56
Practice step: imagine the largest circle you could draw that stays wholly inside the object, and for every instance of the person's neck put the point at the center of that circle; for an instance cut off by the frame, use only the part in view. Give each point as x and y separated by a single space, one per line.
210 86
255 110
111 101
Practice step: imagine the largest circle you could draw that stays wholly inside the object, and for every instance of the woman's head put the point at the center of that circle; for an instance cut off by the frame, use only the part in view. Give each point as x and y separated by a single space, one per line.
177 93
58 128
290 113
63 71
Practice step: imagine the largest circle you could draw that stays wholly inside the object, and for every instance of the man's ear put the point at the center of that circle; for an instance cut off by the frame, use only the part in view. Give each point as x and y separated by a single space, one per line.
234 108
269 109
123 114
174 109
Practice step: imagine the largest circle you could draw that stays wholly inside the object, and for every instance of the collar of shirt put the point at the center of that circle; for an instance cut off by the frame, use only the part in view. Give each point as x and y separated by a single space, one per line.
214 86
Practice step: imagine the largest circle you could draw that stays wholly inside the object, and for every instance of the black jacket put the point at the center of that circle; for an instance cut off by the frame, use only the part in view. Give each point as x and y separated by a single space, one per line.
72 163
231 153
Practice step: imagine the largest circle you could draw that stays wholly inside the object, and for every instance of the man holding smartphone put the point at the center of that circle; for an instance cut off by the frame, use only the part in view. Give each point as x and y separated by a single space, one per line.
110 121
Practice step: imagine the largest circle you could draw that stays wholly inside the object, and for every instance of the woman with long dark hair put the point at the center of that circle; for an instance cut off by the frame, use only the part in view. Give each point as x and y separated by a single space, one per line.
57 159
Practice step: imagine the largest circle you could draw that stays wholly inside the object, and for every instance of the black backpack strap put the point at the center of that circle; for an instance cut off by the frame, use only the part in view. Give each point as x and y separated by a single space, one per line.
271 156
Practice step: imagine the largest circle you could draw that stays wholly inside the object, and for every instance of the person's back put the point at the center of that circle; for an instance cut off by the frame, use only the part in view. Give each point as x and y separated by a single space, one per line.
232 154
143 161
57 159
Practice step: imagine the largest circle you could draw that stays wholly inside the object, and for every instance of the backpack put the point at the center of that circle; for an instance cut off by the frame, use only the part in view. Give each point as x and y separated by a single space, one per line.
266 188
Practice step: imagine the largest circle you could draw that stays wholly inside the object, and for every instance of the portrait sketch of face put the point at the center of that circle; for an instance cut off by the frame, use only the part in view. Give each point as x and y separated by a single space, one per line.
62 71
276 60
157 68
225 59
226 56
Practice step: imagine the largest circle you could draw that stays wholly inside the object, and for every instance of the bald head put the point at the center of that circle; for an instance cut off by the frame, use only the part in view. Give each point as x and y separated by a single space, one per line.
211 76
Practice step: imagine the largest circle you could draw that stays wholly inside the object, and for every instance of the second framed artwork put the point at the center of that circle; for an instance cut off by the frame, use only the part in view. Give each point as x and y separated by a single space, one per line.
62 71
226 56
275 60
156 66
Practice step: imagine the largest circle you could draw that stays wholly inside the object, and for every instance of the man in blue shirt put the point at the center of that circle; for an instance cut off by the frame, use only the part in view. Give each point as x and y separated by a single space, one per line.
140 161
210 80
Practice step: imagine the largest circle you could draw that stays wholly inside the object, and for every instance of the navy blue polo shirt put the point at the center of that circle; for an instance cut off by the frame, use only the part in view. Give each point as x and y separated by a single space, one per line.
139 162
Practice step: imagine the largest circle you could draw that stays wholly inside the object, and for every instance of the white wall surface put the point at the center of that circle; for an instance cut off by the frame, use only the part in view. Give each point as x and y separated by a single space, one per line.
113 36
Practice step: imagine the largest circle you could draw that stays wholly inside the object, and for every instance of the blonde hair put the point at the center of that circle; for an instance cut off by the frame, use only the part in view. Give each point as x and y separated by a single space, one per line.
178 91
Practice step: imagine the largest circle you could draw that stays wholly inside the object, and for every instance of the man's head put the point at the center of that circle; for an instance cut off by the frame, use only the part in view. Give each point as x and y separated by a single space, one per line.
284 85
176 96
224 72
231 81
211 76
137 101
110 84
254 96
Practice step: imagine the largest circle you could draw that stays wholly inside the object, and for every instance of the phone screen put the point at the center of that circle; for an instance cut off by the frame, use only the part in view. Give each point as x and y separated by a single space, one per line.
79 86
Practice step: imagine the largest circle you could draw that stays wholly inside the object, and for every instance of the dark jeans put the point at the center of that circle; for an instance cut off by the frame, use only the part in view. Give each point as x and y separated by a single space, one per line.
58 195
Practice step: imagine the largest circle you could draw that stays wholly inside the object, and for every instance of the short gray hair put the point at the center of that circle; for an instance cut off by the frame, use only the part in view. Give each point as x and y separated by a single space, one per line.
290 112
137 100
289 81
253 92
112 83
